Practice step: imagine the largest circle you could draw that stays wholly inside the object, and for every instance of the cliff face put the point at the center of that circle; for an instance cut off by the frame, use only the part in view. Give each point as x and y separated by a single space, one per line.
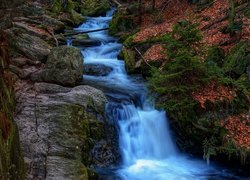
62 129
11 160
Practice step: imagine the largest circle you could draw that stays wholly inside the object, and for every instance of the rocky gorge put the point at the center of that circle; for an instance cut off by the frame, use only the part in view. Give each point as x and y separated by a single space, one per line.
56 123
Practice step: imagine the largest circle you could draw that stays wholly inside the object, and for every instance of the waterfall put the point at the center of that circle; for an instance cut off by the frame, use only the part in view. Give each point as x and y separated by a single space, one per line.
145 142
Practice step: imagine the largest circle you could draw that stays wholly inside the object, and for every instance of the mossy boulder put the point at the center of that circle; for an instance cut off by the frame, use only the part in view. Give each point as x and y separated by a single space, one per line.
122 23
129 59
76 17
60 128
64 66
94 7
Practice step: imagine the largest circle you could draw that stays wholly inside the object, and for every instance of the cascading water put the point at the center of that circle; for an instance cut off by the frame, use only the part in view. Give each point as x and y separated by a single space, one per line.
147 149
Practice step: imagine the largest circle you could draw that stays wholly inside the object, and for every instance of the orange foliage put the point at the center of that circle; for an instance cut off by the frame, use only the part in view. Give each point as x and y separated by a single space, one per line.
172 13
154 53
213 92
238 129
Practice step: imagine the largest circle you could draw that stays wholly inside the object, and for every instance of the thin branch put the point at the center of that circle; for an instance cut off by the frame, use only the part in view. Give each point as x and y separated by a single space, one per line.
142 57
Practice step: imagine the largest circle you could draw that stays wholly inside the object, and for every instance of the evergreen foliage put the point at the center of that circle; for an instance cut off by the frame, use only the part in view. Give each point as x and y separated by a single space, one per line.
184 73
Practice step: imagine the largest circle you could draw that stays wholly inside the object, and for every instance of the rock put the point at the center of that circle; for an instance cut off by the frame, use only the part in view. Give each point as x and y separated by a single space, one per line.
76 17
81 36
23 73
71 18
97 69
94 7
58 129
129 58
10 4
30 46
42 21
86 42
22 61
50 22
64 66
121 23
30 9
33 30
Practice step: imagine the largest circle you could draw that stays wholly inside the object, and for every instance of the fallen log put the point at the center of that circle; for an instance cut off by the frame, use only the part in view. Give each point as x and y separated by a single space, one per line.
84 32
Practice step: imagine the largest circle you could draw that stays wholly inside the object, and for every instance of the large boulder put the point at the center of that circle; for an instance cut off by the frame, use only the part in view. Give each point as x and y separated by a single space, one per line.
59 126
64 66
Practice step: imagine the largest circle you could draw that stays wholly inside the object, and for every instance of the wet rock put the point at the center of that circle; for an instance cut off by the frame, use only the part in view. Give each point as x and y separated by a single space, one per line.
97 69
64 66
56 126
76 17
86 42
129 58
30 46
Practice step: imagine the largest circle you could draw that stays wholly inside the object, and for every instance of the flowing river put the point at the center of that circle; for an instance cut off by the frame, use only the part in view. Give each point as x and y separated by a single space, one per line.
147 149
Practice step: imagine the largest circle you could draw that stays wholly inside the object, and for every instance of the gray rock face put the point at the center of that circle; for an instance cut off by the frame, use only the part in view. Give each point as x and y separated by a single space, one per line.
64 66
97 69
57 127
30 46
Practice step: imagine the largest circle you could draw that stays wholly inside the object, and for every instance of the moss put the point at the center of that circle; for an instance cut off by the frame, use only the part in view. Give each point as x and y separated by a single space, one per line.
121 23
247 13
82 36
11 160
129 58
57 7
76 17
94 7
70 6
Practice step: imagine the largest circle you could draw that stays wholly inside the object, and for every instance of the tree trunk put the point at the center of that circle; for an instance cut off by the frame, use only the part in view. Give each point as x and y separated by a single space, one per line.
231 12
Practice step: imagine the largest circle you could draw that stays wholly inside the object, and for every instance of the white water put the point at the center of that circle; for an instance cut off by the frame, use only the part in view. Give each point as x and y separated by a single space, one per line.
148 152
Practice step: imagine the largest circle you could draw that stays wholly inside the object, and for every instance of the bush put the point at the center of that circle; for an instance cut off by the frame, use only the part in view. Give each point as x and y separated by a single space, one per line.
237 61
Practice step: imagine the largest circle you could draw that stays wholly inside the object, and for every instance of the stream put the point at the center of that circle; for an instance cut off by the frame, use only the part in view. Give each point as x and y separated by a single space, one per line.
145 142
